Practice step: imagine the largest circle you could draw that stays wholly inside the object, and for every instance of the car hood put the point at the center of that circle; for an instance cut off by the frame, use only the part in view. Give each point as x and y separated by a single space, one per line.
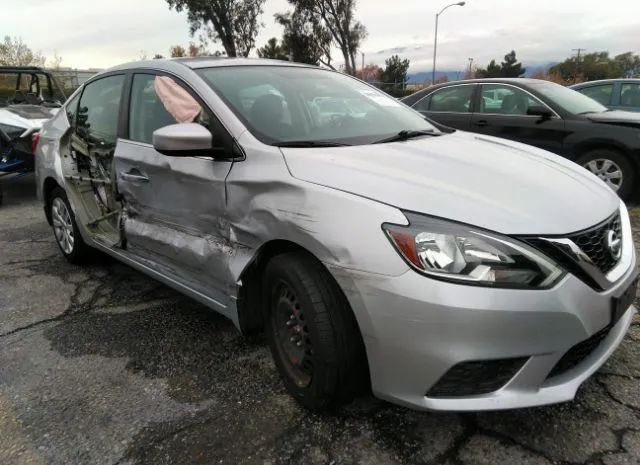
488 182
615 116
26 116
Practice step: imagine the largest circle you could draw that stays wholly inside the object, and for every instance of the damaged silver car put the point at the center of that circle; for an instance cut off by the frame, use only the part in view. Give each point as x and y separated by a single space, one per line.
441 269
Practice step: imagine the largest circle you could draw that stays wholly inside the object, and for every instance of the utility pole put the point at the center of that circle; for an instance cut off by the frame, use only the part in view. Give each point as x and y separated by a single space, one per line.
470 68
579 51
362 60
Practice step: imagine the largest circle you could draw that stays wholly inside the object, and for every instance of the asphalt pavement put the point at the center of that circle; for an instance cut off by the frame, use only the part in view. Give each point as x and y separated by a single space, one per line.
102 365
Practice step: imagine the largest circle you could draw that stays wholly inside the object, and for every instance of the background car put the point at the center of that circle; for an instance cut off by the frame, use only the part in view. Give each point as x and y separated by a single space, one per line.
545 115
29 96
615 94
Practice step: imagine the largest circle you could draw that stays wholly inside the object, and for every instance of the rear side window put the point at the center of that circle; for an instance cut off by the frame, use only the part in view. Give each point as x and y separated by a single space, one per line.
97 117
630 95
452 99
72 109
601 94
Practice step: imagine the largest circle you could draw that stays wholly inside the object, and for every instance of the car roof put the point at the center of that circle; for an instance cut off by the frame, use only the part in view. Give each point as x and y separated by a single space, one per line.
205 62
604 81
17 69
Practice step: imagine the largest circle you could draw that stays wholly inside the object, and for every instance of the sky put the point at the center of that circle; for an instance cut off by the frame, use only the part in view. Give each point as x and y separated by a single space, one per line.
99 34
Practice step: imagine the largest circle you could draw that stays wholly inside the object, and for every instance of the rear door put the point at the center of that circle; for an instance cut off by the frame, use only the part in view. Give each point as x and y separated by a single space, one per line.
174 206
451 106
502 113
629 96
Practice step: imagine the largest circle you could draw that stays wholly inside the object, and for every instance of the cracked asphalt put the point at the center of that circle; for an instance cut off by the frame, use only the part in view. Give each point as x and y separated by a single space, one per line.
101 365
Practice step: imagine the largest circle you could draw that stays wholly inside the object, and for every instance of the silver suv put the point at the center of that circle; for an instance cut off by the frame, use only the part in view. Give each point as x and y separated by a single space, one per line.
443 270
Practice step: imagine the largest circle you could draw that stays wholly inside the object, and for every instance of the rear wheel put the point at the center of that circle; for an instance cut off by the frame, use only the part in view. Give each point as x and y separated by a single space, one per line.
613 168
312 332
65 228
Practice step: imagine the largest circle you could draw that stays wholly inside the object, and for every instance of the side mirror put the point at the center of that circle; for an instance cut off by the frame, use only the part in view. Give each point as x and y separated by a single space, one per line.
183 140
540 111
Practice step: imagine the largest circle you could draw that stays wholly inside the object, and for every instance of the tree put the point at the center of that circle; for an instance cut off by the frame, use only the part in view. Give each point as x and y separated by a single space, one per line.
370 73
197 50
628 63
273 50
177 51
233 22
56 61
395 70
590 67
337 16
157 56
304 38
508 68
14 52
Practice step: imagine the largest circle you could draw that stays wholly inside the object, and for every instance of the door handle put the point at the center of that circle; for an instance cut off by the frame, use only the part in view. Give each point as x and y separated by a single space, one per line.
134 177
482 123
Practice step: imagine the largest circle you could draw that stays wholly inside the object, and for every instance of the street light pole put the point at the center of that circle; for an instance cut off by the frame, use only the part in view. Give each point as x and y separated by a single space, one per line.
435 40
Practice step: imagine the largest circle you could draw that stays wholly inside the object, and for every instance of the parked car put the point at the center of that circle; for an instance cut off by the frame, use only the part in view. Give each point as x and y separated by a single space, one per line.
545 115
446 271
28 97
615 94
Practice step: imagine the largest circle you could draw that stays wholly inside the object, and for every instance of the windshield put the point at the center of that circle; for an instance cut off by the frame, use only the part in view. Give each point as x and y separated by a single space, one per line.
280 104
570 100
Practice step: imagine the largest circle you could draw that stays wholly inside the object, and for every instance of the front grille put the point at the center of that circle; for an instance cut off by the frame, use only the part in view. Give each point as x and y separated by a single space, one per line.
593 243
578 353
476 377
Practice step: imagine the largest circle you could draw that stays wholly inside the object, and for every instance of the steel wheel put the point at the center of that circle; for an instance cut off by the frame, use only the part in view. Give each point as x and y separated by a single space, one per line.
62 225
607 170
292 336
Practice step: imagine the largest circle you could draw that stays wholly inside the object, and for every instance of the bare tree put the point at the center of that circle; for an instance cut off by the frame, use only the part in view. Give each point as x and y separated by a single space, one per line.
235 23
337 16
14 52
177 51
55 62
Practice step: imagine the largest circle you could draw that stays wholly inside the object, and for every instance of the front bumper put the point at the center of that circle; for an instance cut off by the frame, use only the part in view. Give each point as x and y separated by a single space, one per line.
416 329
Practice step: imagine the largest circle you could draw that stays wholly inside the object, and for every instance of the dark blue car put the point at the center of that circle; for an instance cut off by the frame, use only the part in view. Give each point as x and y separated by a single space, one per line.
615 94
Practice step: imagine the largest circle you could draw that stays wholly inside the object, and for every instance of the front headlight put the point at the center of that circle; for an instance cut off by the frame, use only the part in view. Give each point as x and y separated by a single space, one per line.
13 132
458 252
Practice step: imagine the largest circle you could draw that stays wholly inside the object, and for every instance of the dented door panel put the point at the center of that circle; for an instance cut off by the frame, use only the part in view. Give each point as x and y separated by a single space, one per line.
173 214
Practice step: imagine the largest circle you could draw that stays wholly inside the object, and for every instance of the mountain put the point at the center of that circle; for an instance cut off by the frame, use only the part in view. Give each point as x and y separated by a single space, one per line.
425 76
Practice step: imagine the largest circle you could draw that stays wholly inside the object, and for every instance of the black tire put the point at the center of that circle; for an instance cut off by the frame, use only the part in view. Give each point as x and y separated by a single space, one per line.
334 368
80 252
626 167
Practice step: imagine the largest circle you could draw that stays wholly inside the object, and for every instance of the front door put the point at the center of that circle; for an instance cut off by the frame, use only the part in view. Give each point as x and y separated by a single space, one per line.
174 207
502 112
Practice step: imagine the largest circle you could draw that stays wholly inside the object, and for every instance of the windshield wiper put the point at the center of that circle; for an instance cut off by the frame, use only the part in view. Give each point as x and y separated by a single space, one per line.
308 143
408 134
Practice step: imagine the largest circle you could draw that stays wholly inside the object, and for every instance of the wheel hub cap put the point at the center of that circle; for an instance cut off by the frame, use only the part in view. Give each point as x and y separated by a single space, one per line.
608 171
293 337
62 226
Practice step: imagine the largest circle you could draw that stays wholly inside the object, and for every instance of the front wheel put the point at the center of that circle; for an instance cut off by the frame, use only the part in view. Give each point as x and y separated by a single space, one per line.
613 168
312 333
65 228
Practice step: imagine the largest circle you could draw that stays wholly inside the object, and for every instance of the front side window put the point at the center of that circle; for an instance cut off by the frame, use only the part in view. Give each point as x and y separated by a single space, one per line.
281 104
97 117
72 109
601 94
456 99
630 95
506 100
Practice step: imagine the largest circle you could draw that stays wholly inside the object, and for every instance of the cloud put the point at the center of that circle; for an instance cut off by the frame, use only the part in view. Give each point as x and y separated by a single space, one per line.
103 34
